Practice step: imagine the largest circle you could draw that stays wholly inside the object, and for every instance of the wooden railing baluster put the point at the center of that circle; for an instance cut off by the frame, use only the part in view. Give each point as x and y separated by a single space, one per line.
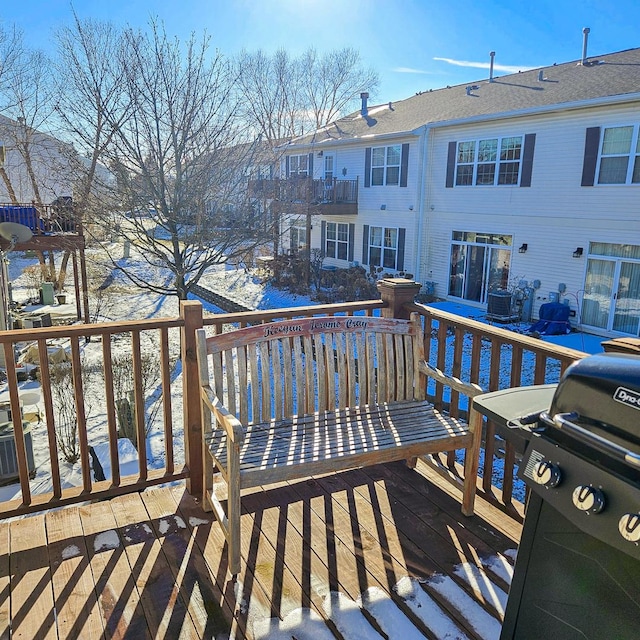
165 364
112 427
81 418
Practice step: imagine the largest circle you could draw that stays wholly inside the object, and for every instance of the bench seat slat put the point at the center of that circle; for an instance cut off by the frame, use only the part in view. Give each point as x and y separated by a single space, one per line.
374 433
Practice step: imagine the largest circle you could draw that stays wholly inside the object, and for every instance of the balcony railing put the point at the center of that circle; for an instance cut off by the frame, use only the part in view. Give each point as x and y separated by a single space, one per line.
324 194
492 357
42 219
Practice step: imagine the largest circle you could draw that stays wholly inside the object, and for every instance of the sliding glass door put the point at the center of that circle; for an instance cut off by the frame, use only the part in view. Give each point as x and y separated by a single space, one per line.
479 264
612 288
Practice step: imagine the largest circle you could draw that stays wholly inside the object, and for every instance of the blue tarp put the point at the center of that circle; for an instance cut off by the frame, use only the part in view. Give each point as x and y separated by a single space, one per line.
554 320
28 216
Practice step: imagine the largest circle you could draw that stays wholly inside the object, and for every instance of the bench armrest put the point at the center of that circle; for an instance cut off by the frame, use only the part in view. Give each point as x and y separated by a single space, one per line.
233 427
469 389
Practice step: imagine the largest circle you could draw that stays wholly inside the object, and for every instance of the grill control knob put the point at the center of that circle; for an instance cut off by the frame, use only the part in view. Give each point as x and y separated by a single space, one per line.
629 527
588 498
547 474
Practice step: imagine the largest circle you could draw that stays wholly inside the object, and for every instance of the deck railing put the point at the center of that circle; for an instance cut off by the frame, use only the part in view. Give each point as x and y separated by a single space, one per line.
489 356
42 219
494 358
306 190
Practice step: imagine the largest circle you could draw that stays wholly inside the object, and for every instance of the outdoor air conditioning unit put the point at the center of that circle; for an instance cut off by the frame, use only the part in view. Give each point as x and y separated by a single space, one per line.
500 306
8 455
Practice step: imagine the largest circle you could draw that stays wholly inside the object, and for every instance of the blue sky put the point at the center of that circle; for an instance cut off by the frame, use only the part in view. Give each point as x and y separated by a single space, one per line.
413 44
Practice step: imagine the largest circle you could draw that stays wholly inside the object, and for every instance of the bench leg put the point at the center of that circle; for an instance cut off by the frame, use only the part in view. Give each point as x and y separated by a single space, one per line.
471 461
233 509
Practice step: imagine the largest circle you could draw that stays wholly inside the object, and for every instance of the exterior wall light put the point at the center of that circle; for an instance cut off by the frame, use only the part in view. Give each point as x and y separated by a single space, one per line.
578 252
523 248
344 171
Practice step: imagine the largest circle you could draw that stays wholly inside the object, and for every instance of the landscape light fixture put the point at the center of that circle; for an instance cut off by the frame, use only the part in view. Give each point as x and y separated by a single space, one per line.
578 252
523 248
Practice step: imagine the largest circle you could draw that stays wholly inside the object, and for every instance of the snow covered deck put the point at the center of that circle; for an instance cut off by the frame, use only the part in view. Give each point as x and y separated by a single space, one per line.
380 552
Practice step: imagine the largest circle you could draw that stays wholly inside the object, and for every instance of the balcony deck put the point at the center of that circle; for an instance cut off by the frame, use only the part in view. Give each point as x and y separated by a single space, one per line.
151 564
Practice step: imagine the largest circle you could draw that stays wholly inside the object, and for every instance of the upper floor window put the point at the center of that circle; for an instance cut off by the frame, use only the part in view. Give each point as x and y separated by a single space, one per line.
337 240
299 165
385 165
619 161
494 161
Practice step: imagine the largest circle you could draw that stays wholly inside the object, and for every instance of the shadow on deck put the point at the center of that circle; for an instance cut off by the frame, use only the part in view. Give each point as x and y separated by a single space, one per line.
368 553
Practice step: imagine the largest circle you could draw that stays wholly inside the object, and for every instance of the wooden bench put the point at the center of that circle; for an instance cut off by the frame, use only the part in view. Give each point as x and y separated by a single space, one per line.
291 399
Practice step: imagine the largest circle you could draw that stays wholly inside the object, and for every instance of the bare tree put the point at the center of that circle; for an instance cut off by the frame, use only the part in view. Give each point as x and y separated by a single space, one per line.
282 97
270 92
332 82
91 105
38 167
165 121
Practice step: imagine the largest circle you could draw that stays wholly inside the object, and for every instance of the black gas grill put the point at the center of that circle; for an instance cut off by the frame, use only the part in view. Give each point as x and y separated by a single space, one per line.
577 574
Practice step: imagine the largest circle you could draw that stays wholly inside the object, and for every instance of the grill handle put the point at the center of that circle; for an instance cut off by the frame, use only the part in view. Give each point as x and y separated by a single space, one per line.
564 422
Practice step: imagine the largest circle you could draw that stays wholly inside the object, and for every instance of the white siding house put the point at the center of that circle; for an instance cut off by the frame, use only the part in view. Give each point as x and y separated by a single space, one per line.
527 183
50 163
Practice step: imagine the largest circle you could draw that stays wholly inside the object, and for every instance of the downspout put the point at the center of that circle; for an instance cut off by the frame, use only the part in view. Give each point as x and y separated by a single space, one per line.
424 190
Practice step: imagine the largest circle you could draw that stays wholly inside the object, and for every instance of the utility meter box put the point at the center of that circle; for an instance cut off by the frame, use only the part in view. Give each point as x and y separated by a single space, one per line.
46 293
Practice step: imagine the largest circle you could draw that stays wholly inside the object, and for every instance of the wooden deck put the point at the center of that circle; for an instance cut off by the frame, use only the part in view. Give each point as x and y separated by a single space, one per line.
151 565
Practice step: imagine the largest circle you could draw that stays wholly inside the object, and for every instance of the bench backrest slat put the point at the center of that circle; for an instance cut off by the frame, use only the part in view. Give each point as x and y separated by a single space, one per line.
243 383
277 370
287 364
254 391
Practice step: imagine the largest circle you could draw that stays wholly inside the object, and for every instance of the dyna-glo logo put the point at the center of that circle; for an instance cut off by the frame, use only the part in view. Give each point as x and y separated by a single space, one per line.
628 397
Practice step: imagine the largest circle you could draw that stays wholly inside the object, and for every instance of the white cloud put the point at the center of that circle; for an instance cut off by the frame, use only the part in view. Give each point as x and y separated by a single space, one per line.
484 65
410 70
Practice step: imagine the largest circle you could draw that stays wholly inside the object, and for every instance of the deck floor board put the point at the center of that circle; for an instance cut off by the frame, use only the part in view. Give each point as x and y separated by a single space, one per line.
154 564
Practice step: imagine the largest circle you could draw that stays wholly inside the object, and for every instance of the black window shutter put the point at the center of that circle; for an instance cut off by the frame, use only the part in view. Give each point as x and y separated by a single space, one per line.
404 165
286 167
367 167
323 238
311 165
365 244
451 164
591 145
270 172
400 260
352 232
527 159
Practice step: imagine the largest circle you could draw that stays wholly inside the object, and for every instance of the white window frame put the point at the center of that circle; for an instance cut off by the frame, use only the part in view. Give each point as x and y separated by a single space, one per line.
385 171
298 231
632 156
301 164
386 234
479 156
337 237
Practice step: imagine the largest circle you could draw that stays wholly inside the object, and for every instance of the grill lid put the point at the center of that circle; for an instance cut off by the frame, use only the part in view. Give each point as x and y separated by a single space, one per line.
604 391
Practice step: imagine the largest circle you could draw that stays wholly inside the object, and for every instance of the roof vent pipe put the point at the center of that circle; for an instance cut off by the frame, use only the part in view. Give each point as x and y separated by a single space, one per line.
492 54
364 96
541 77
585 38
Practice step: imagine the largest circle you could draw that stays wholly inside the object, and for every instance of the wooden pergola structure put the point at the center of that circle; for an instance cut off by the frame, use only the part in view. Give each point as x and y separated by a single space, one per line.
54 228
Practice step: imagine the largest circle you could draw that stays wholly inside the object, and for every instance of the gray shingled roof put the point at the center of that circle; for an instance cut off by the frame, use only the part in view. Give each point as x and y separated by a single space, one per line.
614 74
